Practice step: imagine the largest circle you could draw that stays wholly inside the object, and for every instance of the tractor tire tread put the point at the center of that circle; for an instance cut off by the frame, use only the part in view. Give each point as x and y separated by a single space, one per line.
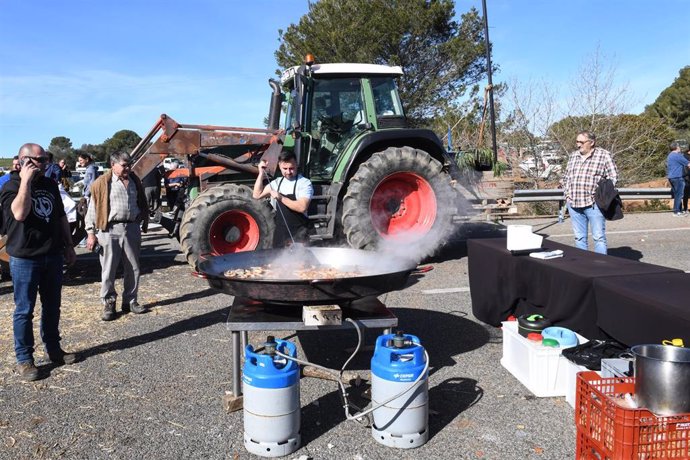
356 219
194 240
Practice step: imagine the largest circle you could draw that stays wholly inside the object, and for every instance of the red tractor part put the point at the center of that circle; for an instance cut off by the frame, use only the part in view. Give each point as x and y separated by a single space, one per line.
403 203
234 231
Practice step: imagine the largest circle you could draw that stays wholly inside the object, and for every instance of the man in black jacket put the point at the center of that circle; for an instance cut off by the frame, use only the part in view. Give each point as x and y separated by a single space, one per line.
686 177
38 242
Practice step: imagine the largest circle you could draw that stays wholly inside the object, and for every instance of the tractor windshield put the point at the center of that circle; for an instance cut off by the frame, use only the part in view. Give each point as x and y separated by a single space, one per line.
386 98
336 110
291 119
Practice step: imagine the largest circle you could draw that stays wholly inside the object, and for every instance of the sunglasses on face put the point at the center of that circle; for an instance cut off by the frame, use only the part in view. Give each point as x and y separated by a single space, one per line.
36 159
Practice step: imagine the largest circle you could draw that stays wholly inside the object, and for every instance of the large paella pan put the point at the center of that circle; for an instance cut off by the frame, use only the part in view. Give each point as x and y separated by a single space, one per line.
307 276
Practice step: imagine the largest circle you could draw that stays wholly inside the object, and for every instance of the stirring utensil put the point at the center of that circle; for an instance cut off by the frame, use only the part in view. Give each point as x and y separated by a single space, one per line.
287 227
298 248
300 251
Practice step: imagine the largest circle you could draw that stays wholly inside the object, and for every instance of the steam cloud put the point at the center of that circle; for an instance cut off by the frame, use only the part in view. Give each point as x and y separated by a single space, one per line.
418 247
392 254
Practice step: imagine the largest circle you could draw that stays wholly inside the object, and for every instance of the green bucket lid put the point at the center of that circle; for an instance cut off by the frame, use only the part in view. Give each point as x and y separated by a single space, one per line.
550 343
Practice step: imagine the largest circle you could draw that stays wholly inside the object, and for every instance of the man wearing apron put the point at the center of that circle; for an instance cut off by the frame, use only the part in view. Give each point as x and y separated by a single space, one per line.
290 196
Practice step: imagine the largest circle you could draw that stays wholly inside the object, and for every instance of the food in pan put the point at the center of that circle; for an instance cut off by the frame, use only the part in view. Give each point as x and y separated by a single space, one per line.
305 272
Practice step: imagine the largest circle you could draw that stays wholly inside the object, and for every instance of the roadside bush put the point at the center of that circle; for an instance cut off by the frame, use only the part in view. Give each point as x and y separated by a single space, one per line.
538 208
647 205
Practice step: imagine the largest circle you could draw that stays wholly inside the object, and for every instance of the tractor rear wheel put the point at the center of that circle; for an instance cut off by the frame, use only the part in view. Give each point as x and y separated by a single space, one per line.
399 194
225 219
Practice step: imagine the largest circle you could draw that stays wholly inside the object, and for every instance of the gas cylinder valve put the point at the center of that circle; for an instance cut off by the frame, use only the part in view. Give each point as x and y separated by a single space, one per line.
400 340
270 346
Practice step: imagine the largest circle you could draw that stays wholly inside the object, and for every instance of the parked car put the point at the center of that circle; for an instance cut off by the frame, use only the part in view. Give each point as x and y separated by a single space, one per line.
77 189
171 163
102 166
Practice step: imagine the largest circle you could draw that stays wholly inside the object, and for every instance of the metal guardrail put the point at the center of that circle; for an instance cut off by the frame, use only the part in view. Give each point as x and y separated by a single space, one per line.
556 194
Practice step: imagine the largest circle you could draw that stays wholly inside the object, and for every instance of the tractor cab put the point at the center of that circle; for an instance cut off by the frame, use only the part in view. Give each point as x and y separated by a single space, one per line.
330 107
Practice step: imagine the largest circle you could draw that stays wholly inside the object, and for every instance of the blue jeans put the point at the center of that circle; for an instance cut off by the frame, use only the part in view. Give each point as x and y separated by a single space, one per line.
580 218
31 276
677 189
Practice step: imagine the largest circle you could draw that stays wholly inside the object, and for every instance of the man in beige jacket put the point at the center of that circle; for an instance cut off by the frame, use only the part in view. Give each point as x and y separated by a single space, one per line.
116 216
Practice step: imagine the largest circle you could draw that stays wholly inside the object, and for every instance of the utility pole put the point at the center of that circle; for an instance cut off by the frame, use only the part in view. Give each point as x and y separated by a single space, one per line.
491 88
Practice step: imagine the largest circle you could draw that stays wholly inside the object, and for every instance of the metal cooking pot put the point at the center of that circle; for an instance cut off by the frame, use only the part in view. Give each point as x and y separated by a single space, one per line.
662 378
376 274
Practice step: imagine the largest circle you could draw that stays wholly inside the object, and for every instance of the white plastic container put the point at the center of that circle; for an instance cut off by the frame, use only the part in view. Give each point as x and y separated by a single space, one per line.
613 367
541 369
571 380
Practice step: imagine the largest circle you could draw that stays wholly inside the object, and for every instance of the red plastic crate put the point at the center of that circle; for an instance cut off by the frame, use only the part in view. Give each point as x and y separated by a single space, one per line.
608 431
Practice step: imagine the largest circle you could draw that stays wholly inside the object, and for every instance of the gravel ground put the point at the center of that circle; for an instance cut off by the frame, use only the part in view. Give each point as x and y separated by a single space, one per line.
151 386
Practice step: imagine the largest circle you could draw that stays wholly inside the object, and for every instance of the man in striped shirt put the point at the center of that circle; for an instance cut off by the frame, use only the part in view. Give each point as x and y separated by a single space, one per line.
586 167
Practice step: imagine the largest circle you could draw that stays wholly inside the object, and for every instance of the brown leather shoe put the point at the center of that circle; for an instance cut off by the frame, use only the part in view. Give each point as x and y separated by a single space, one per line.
27 371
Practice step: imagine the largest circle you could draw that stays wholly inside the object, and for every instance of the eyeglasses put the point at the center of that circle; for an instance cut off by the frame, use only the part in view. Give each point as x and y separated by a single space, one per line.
37 159
583 142
125 165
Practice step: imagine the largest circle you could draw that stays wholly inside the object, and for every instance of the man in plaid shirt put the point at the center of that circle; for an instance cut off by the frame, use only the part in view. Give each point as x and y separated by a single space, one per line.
117 214
586 167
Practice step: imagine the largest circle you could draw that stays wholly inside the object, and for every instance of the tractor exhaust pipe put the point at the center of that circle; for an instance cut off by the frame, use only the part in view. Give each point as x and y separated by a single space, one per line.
276 102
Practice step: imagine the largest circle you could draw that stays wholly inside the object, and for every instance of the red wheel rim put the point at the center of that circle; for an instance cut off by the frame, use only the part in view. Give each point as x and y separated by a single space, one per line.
234 231
403 204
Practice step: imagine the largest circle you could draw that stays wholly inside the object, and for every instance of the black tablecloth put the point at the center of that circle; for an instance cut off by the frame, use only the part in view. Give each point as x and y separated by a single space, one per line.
643 309
561 289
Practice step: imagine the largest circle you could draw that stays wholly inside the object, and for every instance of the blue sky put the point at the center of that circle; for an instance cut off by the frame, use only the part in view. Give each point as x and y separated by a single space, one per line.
86 69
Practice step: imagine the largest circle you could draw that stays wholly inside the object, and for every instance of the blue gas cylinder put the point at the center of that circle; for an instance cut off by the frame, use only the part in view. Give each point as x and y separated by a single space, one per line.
271 400
398 361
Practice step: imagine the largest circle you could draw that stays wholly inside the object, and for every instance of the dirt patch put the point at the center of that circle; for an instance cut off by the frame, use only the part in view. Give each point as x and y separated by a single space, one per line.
649 205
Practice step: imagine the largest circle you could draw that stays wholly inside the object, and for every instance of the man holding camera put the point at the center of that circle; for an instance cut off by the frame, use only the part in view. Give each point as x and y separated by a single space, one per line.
38 242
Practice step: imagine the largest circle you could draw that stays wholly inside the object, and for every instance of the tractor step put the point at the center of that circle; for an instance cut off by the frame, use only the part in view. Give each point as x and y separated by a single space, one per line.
320 217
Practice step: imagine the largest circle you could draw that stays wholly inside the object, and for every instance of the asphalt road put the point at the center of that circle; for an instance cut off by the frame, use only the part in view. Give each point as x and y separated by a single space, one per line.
151 386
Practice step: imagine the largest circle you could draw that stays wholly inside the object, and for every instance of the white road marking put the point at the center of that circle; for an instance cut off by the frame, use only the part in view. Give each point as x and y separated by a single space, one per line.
621 232
446 290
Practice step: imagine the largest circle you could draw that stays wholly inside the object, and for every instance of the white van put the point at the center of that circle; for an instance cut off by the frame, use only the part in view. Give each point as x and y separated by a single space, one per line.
170 163
102 166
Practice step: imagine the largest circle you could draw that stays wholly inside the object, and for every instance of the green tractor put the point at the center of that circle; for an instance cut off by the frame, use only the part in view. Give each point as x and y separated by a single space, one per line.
375 179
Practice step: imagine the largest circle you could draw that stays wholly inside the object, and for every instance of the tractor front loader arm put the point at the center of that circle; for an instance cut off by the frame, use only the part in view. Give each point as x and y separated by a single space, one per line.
230 163
185 141
146 156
